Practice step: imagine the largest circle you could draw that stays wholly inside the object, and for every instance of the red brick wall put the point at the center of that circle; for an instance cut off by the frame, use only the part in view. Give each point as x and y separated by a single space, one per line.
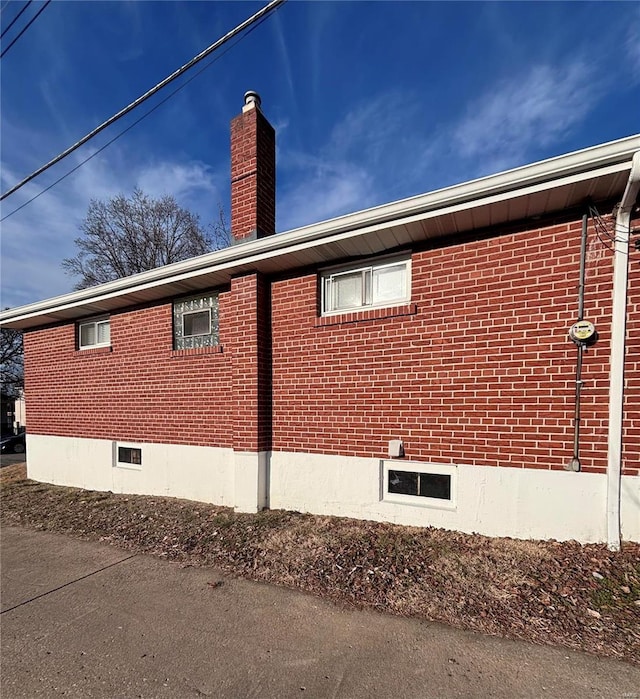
481 373
477 369
250 398
138 390
253 176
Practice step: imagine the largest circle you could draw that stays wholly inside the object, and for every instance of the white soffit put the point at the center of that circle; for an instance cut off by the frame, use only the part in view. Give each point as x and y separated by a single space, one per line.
552 185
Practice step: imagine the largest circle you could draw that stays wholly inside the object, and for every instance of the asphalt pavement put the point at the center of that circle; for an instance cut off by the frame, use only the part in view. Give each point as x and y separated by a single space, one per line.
83 619
11 459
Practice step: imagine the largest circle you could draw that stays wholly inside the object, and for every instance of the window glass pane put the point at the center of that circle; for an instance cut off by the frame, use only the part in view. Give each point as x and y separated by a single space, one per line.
327 303
130 455
347 290
384 284
403 482
87 335
104 334
197 323
389 283
435 485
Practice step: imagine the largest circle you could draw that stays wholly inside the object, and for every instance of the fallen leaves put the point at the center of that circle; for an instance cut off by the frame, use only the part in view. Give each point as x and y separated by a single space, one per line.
562 593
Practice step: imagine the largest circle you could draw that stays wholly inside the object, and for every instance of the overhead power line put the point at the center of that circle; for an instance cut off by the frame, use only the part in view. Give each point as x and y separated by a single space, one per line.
176 74
136 122
29 23
15 19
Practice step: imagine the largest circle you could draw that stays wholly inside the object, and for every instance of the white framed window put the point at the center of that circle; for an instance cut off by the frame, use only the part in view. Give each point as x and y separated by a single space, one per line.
127 456
195 322
410 483
94 333
369 285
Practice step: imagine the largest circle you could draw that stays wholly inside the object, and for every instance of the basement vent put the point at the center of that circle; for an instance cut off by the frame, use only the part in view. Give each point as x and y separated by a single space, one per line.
419 484
128 456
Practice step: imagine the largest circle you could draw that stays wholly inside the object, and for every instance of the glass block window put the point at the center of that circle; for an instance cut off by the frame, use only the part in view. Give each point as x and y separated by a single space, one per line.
94 333
195 322
375 285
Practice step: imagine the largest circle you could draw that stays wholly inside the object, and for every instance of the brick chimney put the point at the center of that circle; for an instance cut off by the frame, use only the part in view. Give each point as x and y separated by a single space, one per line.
253 173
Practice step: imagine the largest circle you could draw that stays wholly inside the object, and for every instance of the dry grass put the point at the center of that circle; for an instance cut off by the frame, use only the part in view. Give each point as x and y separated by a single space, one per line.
583 597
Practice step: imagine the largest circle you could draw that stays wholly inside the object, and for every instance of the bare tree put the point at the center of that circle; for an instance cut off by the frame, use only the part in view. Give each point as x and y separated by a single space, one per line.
11 362
123 236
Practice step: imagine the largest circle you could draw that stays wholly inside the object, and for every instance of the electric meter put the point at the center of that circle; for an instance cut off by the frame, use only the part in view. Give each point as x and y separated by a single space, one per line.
583 333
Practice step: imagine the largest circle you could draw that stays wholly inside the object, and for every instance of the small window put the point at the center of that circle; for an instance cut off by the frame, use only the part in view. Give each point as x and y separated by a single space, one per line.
129 456
367 286
419 484
424 485
195 322
94 333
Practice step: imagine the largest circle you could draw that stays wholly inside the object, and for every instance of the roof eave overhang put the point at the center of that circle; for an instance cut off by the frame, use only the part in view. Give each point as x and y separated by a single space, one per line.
534 190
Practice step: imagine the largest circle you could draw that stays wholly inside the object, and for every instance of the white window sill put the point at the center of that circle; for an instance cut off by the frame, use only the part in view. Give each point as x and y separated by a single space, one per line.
418 501
127 467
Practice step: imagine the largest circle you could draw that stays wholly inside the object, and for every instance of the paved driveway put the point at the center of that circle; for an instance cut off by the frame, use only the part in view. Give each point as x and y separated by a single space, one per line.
88 620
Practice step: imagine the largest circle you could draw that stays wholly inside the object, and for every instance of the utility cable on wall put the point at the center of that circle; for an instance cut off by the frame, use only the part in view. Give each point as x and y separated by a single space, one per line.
607 237
210 49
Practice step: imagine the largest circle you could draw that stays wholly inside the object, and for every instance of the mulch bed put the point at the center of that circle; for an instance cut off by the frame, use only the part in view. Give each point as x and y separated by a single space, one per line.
583 597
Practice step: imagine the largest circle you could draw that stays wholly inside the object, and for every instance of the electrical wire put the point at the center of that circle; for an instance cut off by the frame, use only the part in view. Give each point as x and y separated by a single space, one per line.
137 121
210 49
29 23
14 20
606 237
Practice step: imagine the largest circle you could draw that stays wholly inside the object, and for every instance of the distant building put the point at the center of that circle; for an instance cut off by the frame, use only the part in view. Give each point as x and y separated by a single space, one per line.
408 363
12 414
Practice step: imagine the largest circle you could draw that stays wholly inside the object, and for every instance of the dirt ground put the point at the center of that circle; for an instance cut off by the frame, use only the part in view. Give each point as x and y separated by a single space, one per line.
583 597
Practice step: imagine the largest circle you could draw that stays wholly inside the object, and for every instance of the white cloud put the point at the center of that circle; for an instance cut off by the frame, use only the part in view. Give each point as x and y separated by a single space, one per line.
187 182
332 189
378 130
285 59
524 113
632 47
390 146
36 239
371 153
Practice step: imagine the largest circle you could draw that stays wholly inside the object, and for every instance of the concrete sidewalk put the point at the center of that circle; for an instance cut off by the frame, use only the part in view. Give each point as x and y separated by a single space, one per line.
88 620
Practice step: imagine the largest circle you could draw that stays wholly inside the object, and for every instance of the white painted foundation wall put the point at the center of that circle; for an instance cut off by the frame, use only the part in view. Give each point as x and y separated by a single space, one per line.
204 474
520 503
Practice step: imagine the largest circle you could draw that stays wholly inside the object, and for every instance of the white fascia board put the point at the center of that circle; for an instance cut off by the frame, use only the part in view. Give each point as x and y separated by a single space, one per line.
520 182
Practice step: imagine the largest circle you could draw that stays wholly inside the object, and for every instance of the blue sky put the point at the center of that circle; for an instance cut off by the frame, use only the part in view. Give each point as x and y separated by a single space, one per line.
371 101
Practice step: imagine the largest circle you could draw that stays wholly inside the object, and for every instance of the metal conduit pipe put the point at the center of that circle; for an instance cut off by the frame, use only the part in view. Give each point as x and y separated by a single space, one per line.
574 462
618 347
